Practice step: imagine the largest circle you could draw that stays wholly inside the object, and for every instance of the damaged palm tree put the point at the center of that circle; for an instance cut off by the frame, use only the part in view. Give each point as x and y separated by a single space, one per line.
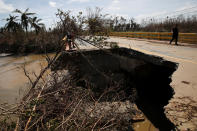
96 89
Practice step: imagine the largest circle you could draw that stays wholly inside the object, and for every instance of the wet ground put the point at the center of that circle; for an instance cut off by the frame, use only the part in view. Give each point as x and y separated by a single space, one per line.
13 82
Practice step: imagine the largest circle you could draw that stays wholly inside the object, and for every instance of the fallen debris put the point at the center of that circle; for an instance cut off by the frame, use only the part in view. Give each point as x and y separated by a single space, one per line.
100 90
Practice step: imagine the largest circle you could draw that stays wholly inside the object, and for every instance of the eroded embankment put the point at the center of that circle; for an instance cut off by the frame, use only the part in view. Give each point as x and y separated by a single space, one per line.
131 75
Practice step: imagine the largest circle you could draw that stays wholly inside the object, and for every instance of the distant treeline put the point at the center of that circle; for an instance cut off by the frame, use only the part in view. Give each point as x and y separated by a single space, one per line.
185 24
24 32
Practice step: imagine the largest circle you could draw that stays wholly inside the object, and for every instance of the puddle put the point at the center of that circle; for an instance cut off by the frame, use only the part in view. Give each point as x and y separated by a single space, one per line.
144 126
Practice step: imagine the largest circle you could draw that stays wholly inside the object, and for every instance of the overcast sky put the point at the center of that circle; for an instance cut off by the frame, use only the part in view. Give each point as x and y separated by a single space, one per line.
137 9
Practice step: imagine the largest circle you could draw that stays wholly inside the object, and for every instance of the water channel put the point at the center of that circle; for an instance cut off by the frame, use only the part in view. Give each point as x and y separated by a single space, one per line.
13 82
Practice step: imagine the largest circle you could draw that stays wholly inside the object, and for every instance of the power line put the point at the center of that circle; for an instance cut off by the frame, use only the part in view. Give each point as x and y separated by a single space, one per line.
186 13
172 15
194 7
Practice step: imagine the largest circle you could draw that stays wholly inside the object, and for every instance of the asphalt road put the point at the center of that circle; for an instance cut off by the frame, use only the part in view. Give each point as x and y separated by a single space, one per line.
184 79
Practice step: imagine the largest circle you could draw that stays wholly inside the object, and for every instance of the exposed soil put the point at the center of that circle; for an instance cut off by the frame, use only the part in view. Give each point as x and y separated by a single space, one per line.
140 77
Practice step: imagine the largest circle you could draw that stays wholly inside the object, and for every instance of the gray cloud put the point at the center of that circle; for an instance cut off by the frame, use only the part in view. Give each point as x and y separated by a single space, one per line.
5 8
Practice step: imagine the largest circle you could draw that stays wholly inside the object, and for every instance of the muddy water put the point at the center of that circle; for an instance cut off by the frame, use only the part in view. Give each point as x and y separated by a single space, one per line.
144 126
13 82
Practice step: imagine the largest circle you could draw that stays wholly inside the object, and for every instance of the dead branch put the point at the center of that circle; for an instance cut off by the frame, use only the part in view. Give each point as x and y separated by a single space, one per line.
27 74
72 112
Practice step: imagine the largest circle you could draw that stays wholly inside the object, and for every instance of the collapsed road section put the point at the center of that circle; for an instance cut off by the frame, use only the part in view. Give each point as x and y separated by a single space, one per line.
122 74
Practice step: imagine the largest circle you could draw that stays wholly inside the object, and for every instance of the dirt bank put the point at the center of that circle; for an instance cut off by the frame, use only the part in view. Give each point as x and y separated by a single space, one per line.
148 76
183 80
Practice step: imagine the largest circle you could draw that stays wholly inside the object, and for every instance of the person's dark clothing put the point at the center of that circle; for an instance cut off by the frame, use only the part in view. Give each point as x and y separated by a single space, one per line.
69 40
175 32
69 37
175 35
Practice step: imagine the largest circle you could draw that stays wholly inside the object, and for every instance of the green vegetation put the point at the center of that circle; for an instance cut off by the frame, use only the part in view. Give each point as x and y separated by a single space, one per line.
24 32
185 24
54 101
16 38
28 35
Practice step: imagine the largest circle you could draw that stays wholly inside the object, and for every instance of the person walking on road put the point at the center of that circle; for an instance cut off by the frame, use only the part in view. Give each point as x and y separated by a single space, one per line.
175 35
